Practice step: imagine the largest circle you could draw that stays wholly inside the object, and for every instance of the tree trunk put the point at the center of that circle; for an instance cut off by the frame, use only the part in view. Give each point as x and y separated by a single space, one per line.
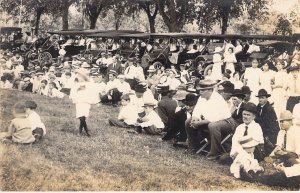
152 24
225 18
175 27
65 15
39 12
93 20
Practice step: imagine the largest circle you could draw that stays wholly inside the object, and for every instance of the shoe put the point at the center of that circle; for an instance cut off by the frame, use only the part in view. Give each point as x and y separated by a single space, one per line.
167 137
181 144
213 157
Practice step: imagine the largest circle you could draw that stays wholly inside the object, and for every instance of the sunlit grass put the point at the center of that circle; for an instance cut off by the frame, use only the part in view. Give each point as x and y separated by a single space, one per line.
112 159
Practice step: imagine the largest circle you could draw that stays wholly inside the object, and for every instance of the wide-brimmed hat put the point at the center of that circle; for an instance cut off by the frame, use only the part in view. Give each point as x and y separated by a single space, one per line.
161 88
238 93
218 49
251 107
207 84
246 90
263 92
226 87
248 142
140 88
294 68
190 99
151 69
285 115
26 79
150 103
180 95
113 72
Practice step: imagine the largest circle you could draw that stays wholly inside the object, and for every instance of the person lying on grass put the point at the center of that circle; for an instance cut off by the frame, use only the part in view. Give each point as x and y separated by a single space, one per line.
151 123
128 114
37 126
19 130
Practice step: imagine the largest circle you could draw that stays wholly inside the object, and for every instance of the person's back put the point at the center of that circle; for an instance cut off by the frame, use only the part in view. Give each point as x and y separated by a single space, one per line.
20 130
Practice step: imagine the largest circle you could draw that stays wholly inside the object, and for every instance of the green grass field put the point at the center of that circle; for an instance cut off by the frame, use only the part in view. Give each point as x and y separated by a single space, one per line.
112 159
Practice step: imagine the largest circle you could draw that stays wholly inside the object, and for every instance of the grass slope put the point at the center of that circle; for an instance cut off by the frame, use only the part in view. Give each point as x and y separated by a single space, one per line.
112 159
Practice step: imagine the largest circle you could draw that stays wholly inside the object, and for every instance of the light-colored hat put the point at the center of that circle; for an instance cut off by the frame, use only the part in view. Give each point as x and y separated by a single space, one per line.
248 142
207 84
150 103
151 69
113 72
85 65
286 115
26 79
19 108
218 50
82 72
122 76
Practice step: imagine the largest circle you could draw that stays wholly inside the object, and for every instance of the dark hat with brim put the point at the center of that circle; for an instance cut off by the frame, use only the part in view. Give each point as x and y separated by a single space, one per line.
162 88
113 72
140 88
250 107
263 92
190 99
294 68
246 90
238 93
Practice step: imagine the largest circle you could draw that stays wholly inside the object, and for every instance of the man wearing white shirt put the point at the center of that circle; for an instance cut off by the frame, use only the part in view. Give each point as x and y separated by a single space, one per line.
249 128
207 110
124 87
130 73
113 94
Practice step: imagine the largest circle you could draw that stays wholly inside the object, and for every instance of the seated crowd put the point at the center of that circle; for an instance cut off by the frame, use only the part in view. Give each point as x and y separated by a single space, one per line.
251 119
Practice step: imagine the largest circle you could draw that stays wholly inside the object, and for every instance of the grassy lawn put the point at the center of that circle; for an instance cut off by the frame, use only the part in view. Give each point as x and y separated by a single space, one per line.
112 159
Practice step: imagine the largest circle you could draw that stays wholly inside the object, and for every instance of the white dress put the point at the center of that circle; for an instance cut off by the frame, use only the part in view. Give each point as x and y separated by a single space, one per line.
216 72
278 94
230 59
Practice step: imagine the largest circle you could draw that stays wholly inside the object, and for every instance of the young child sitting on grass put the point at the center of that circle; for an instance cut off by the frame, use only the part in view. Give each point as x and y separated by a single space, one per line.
128 114
19 131
37 126
151 123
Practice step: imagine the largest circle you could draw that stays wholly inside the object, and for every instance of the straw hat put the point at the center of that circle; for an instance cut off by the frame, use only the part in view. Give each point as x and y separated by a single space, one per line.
285 115
248 142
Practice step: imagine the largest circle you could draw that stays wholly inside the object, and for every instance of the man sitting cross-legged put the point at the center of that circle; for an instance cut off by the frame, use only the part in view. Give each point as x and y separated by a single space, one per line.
210 107
224 127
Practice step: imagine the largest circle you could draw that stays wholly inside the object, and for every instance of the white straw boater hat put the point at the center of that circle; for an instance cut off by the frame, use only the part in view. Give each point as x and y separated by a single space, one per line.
248 142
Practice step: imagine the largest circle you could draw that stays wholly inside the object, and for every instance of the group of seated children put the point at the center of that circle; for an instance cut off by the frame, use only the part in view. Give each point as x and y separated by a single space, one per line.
26 127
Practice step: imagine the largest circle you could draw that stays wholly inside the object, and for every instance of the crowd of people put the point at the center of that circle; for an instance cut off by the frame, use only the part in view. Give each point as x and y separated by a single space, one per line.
258 116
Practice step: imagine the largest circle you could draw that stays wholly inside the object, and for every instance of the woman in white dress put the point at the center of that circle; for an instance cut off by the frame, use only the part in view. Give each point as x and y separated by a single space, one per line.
266 77
238 84
279 88
216 73
230 59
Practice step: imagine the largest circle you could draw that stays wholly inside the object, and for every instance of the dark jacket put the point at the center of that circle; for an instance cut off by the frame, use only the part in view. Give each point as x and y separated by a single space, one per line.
267 119
166 111
238 117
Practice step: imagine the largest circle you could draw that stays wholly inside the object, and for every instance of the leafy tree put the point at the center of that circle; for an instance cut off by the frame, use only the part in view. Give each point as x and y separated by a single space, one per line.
93 8
283 27
224 10
150 7
175 12
36 7
64 11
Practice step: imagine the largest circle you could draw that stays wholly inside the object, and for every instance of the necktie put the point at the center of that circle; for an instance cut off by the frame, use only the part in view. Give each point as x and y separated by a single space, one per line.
261 108
246 131
284 141
128 69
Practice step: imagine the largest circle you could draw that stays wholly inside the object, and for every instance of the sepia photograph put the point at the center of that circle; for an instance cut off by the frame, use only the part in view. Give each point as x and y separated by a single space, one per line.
149 95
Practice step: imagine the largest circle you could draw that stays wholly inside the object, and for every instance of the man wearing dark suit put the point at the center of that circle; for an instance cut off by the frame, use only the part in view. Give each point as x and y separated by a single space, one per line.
116 65
267 119
166 110
222 128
